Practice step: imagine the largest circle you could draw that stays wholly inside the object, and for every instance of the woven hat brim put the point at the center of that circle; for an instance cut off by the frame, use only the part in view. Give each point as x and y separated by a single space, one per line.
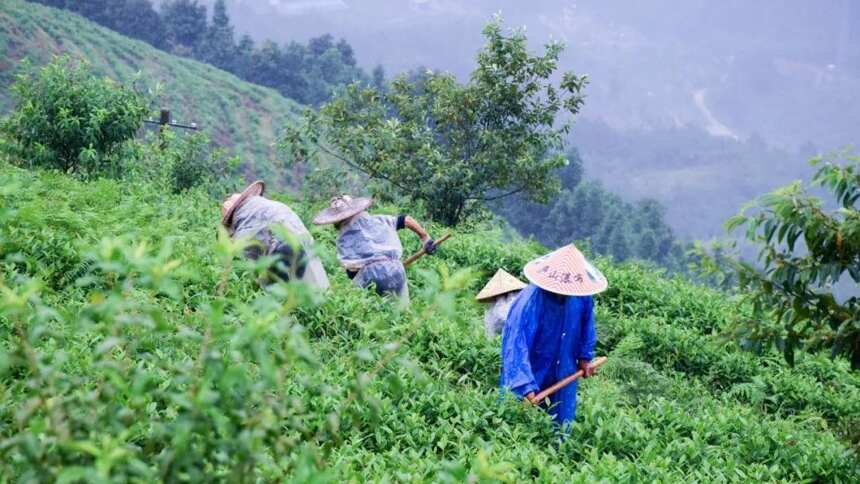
333 215
574 277
253 190
501 283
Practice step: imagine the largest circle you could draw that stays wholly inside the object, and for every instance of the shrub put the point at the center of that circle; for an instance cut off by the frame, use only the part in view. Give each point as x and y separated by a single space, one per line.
180 162
161 359
805 251
67 118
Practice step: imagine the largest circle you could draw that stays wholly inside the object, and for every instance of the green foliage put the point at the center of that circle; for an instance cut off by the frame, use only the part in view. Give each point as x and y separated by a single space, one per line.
135 346
586 212
179 162
193 91
219 47
185 25
805 251
454 146
306 73
69 119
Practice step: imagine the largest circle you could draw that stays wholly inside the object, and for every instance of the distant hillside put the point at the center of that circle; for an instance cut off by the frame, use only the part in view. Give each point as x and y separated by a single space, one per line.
234 113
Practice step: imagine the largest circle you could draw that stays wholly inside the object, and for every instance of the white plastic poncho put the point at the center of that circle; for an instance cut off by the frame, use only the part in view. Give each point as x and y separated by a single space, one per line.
253 219
369 246
497 313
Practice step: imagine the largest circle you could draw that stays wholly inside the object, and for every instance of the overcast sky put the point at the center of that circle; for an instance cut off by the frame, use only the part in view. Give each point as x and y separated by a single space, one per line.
786 69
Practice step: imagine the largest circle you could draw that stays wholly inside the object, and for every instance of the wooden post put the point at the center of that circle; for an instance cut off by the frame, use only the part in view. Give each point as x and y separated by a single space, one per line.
164 122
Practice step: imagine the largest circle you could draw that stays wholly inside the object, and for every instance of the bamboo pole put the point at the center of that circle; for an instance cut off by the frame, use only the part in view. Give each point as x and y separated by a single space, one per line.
412 258
565 382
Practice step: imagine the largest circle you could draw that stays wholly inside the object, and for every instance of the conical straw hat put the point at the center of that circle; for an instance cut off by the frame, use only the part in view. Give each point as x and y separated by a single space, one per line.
501 283
566 272
342 208
231 203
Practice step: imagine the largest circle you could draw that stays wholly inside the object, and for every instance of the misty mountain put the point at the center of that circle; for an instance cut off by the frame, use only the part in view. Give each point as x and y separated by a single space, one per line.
701 105
787 70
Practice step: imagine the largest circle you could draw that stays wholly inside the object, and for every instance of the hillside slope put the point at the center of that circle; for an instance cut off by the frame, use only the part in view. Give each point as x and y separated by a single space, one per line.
236 114
675 402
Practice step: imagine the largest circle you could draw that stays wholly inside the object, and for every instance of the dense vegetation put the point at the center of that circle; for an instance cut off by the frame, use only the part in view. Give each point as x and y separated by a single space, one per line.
455 146
135 345
131 347
239 116
306 73
197 93
805 251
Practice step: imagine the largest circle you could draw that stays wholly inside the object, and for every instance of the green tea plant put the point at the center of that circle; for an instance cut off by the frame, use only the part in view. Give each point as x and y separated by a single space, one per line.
154 355
179 162
243 117
805 251
146 388
69 119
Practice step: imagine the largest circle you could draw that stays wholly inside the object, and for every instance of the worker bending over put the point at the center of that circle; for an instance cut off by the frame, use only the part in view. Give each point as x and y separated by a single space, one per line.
368 246
250 215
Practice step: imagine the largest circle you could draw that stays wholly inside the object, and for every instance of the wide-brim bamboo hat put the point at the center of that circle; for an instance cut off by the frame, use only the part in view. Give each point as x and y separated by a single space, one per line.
342 208
566 272
501 283
231 203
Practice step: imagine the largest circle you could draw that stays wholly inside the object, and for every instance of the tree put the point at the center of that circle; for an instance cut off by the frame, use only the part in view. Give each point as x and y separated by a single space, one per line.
138 19
318 46
96 10
453 146
805 251
293 73
378 78
219 47
244 54
68 119
347 55
185 25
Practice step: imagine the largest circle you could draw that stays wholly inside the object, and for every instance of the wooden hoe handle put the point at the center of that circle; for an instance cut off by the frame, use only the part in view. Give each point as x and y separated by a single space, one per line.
412 258
565 382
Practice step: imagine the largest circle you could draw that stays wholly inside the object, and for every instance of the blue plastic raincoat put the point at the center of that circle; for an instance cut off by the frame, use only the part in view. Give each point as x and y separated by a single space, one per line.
544 337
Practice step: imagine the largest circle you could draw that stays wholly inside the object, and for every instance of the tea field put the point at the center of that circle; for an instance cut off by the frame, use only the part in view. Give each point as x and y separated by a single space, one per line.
135 347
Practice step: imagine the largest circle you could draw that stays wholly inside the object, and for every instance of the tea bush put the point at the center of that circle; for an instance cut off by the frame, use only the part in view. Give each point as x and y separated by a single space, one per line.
67 118
134 346
178 162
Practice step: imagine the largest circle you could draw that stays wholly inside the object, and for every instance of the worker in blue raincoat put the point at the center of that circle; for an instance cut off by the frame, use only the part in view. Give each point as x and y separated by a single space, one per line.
550 332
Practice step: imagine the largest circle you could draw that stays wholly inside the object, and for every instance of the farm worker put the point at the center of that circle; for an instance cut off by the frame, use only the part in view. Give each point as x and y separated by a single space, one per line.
499 293
368 246
250 215
550 333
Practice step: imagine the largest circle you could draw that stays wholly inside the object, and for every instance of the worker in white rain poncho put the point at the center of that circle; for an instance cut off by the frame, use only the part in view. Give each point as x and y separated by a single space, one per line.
499 293
368 246
250 215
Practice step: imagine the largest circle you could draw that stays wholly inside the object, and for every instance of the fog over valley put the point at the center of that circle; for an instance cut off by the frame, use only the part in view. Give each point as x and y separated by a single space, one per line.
699 104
